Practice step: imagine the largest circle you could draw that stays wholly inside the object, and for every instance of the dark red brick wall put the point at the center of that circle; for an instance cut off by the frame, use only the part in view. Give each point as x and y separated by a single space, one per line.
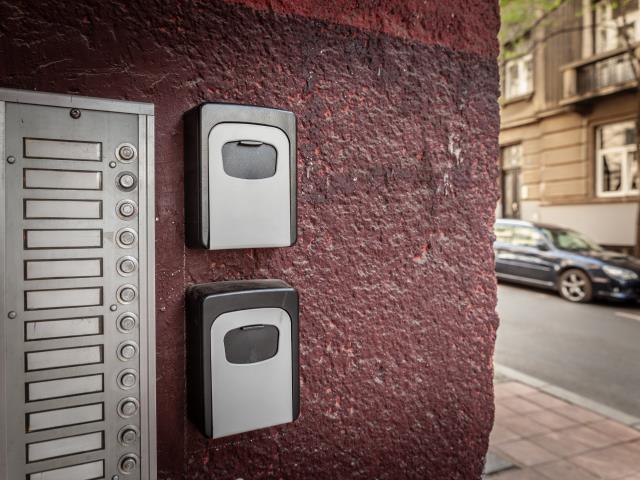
398 125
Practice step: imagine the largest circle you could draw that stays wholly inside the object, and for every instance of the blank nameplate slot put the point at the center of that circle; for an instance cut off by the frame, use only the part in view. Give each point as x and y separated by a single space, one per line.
86 471
62 447
61 209
62 179
62 149
65 417
64 298
76 268
65 327
64 357
64 387
70 238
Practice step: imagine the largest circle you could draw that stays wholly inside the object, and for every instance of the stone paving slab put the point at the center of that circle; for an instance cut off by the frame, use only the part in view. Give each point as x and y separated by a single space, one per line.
550 438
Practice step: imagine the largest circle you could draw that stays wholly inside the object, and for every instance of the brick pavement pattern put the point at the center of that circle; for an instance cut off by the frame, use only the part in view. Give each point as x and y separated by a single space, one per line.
551 439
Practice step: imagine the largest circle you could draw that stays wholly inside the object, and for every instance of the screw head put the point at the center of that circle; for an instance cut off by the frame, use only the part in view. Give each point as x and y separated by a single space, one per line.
75 113
12 314
11 159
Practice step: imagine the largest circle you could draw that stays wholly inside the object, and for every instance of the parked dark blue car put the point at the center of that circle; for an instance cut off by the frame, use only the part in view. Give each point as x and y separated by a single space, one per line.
563 260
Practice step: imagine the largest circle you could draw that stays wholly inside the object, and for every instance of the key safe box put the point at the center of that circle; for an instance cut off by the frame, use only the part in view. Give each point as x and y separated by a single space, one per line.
240 177
242 356
77 372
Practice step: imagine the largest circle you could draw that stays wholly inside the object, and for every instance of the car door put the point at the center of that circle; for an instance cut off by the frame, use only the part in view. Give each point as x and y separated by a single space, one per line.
502 248
531 256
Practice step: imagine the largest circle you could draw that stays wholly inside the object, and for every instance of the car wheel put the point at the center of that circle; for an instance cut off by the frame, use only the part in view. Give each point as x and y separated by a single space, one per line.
575 285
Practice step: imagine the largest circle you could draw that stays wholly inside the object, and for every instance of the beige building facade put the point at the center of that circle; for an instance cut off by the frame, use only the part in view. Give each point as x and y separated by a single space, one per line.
568 134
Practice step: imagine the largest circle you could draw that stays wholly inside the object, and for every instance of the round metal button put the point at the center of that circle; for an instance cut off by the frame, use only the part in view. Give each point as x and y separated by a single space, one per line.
128 463
127 266
127 293
128 407
127 350
126 237
127 379
126 181
126 209
125 152
126 322
128 435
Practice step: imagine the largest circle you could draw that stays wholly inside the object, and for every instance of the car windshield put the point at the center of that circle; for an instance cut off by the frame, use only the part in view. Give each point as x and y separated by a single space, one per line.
570 240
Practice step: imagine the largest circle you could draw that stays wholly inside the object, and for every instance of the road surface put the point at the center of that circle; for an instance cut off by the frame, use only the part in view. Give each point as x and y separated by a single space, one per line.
592 349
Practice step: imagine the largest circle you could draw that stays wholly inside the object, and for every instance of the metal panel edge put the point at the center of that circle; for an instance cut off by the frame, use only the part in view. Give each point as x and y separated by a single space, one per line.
75 101
3 402
150 444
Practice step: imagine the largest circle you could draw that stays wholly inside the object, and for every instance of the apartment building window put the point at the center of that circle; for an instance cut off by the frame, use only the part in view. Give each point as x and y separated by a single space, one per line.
616 166
511 169
609 27
519 76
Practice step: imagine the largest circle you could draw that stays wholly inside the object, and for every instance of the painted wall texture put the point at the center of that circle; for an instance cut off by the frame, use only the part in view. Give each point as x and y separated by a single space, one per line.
398 128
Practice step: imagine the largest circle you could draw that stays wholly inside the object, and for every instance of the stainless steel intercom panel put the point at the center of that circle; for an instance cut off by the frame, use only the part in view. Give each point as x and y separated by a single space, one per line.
77 374
243 356
240 182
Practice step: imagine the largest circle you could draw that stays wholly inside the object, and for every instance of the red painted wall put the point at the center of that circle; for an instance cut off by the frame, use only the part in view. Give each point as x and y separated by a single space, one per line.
398 126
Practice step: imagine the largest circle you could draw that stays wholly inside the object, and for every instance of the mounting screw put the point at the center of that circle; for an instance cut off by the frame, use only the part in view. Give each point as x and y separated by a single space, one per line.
12 314
75 113
11 159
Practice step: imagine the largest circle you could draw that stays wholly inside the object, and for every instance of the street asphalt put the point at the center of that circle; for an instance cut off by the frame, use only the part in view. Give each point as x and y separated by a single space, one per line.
589 349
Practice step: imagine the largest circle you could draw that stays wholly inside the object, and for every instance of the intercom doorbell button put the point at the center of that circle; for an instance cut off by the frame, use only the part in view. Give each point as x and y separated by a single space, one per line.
126 237
128 407
126 209
127 350
128 463
127 379
126 181
126 322
125 152
127 293
127 266
128 435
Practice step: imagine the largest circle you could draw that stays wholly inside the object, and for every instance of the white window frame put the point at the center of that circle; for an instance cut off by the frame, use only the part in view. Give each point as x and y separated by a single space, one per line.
605 22
524 85
625 173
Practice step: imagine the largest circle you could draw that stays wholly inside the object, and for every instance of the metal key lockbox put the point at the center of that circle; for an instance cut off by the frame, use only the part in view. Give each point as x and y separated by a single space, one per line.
77 375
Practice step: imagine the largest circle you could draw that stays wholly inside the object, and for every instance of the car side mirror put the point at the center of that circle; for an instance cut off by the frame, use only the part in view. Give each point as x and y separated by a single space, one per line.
543 246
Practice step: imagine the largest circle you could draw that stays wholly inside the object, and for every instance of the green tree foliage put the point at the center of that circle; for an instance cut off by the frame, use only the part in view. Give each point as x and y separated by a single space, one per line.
520 16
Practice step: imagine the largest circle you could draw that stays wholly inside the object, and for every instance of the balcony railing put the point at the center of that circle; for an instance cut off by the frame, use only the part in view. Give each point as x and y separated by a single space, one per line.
597 76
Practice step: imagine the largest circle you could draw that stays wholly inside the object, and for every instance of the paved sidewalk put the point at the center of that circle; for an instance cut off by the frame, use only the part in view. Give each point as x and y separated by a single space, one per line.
546 438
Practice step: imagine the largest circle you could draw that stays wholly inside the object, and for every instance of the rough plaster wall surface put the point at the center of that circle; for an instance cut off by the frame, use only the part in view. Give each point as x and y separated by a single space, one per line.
398 127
